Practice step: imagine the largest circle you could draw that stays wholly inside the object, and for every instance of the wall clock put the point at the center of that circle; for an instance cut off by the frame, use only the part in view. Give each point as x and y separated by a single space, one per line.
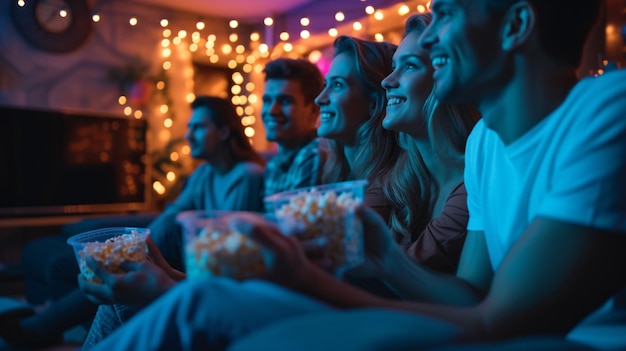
57 26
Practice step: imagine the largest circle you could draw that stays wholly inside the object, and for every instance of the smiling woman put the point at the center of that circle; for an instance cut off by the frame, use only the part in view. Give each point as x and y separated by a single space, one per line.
56 26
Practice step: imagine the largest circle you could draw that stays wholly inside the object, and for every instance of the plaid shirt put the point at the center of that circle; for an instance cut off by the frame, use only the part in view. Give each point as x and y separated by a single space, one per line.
297 169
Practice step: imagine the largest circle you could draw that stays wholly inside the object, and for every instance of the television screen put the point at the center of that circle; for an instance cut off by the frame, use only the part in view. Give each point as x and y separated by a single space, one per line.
55 162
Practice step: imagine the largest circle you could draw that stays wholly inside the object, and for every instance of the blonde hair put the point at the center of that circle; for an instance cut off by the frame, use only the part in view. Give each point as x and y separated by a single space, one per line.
416 190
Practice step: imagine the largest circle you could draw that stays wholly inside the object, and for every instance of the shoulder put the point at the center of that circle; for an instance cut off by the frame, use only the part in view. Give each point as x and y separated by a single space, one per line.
251 169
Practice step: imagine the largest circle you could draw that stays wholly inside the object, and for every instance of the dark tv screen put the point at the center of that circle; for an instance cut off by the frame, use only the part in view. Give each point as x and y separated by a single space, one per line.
56 162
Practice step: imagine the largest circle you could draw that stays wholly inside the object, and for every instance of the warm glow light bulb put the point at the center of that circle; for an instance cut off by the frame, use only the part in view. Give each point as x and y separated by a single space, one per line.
121 100
164 108
21 3
315 56
133 21
168 123
63 13
235 89
182 33
370 10
211 37
339 16
333 32
185 150
174 156
284 36
167 65
166 52
249 131
214 58
200 25
247 68
233 24
357 25
254 36
190 97
249 109
288 47
253 98
403 10
304 21
167 33
232 64
233 37
268 21
95 17
379 15
239 110
240 49
379 37
138 114
227 49
263 48
421 8
171 176
128 110
305 34
164 23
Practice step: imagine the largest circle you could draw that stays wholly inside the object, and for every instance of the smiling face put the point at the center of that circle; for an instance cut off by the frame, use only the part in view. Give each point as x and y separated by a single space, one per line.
287 117
408 87
343 104
465 50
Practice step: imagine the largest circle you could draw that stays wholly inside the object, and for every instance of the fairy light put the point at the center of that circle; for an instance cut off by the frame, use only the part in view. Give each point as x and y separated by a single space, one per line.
357 25
403 10
268 21
233 37
121 100
304 21
200 25
339 16
379 15
95 17
284 36
133 21
255 36
333 32
233 24
305 34
370 10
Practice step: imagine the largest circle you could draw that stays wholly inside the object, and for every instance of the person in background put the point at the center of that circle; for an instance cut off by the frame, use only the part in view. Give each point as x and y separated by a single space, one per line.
290 117
231 177
214 309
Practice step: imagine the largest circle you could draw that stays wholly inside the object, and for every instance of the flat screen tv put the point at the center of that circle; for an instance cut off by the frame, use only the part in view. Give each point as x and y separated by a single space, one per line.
58 162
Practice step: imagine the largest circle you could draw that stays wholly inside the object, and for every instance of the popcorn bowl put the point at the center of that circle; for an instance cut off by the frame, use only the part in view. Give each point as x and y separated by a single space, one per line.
212 249
325 212
109 247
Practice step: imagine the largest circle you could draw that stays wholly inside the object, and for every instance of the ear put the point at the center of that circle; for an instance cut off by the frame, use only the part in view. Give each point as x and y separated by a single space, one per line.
518 24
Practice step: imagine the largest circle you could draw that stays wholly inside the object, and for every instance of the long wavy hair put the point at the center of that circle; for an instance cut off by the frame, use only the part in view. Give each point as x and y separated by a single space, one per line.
379 148
415 189
223 114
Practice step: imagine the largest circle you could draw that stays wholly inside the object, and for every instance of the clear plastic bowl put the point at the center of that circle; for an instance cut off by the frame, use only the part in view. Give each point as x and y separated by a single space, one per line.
110 247
326 212
212 249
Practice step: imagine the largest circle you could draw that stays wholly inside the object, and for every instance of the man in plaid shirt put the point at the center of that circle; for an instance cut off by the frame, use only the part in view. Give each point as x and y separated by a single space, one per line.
290 116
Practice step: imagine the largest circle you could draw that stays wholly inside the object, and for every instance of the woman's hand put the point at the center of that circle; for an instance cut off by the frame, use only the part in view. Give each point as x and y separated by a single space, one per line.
142 283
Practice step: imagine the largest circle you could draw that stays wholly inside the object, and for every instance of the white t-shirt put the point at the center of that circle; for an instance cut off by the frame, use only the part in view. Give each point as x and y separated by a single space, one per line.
570 167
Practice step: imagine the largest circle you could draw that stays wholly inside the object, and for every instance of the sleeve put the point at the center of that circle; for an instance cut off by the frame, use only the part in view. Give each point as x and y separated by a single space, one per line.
307 169
588 184
186 200
246 193
375 199
473 152
439 246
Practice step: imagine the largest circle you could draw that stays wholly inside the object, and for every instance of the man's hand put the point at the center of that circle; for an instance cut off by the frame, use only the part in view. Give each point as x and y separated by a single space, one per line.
286 261
142 283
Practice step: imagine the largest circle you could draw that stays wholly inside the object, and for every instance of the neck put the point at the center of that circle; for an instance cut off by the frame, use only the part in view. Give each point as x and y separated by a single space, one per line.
530 96
222 161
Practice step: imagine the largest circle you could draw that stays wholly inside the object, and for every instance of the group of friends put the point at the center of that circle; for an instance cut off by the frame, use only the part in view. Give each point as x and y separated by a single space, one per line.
494 207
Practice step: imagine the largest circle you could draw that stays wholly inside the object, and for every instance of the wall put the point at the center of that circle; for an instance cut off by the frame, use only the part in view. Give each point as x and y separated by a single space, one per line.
77 80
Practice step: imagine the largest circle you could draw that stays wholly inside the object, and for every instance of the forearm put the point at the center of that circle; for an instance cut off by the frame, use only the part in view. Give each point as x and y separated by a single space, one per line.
412 281
326 288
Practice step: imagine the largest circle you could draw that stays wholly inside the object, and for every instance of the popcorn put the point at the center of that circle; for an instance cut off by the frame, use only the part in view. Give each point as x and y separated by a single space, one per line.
223 253
111 253
327 215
